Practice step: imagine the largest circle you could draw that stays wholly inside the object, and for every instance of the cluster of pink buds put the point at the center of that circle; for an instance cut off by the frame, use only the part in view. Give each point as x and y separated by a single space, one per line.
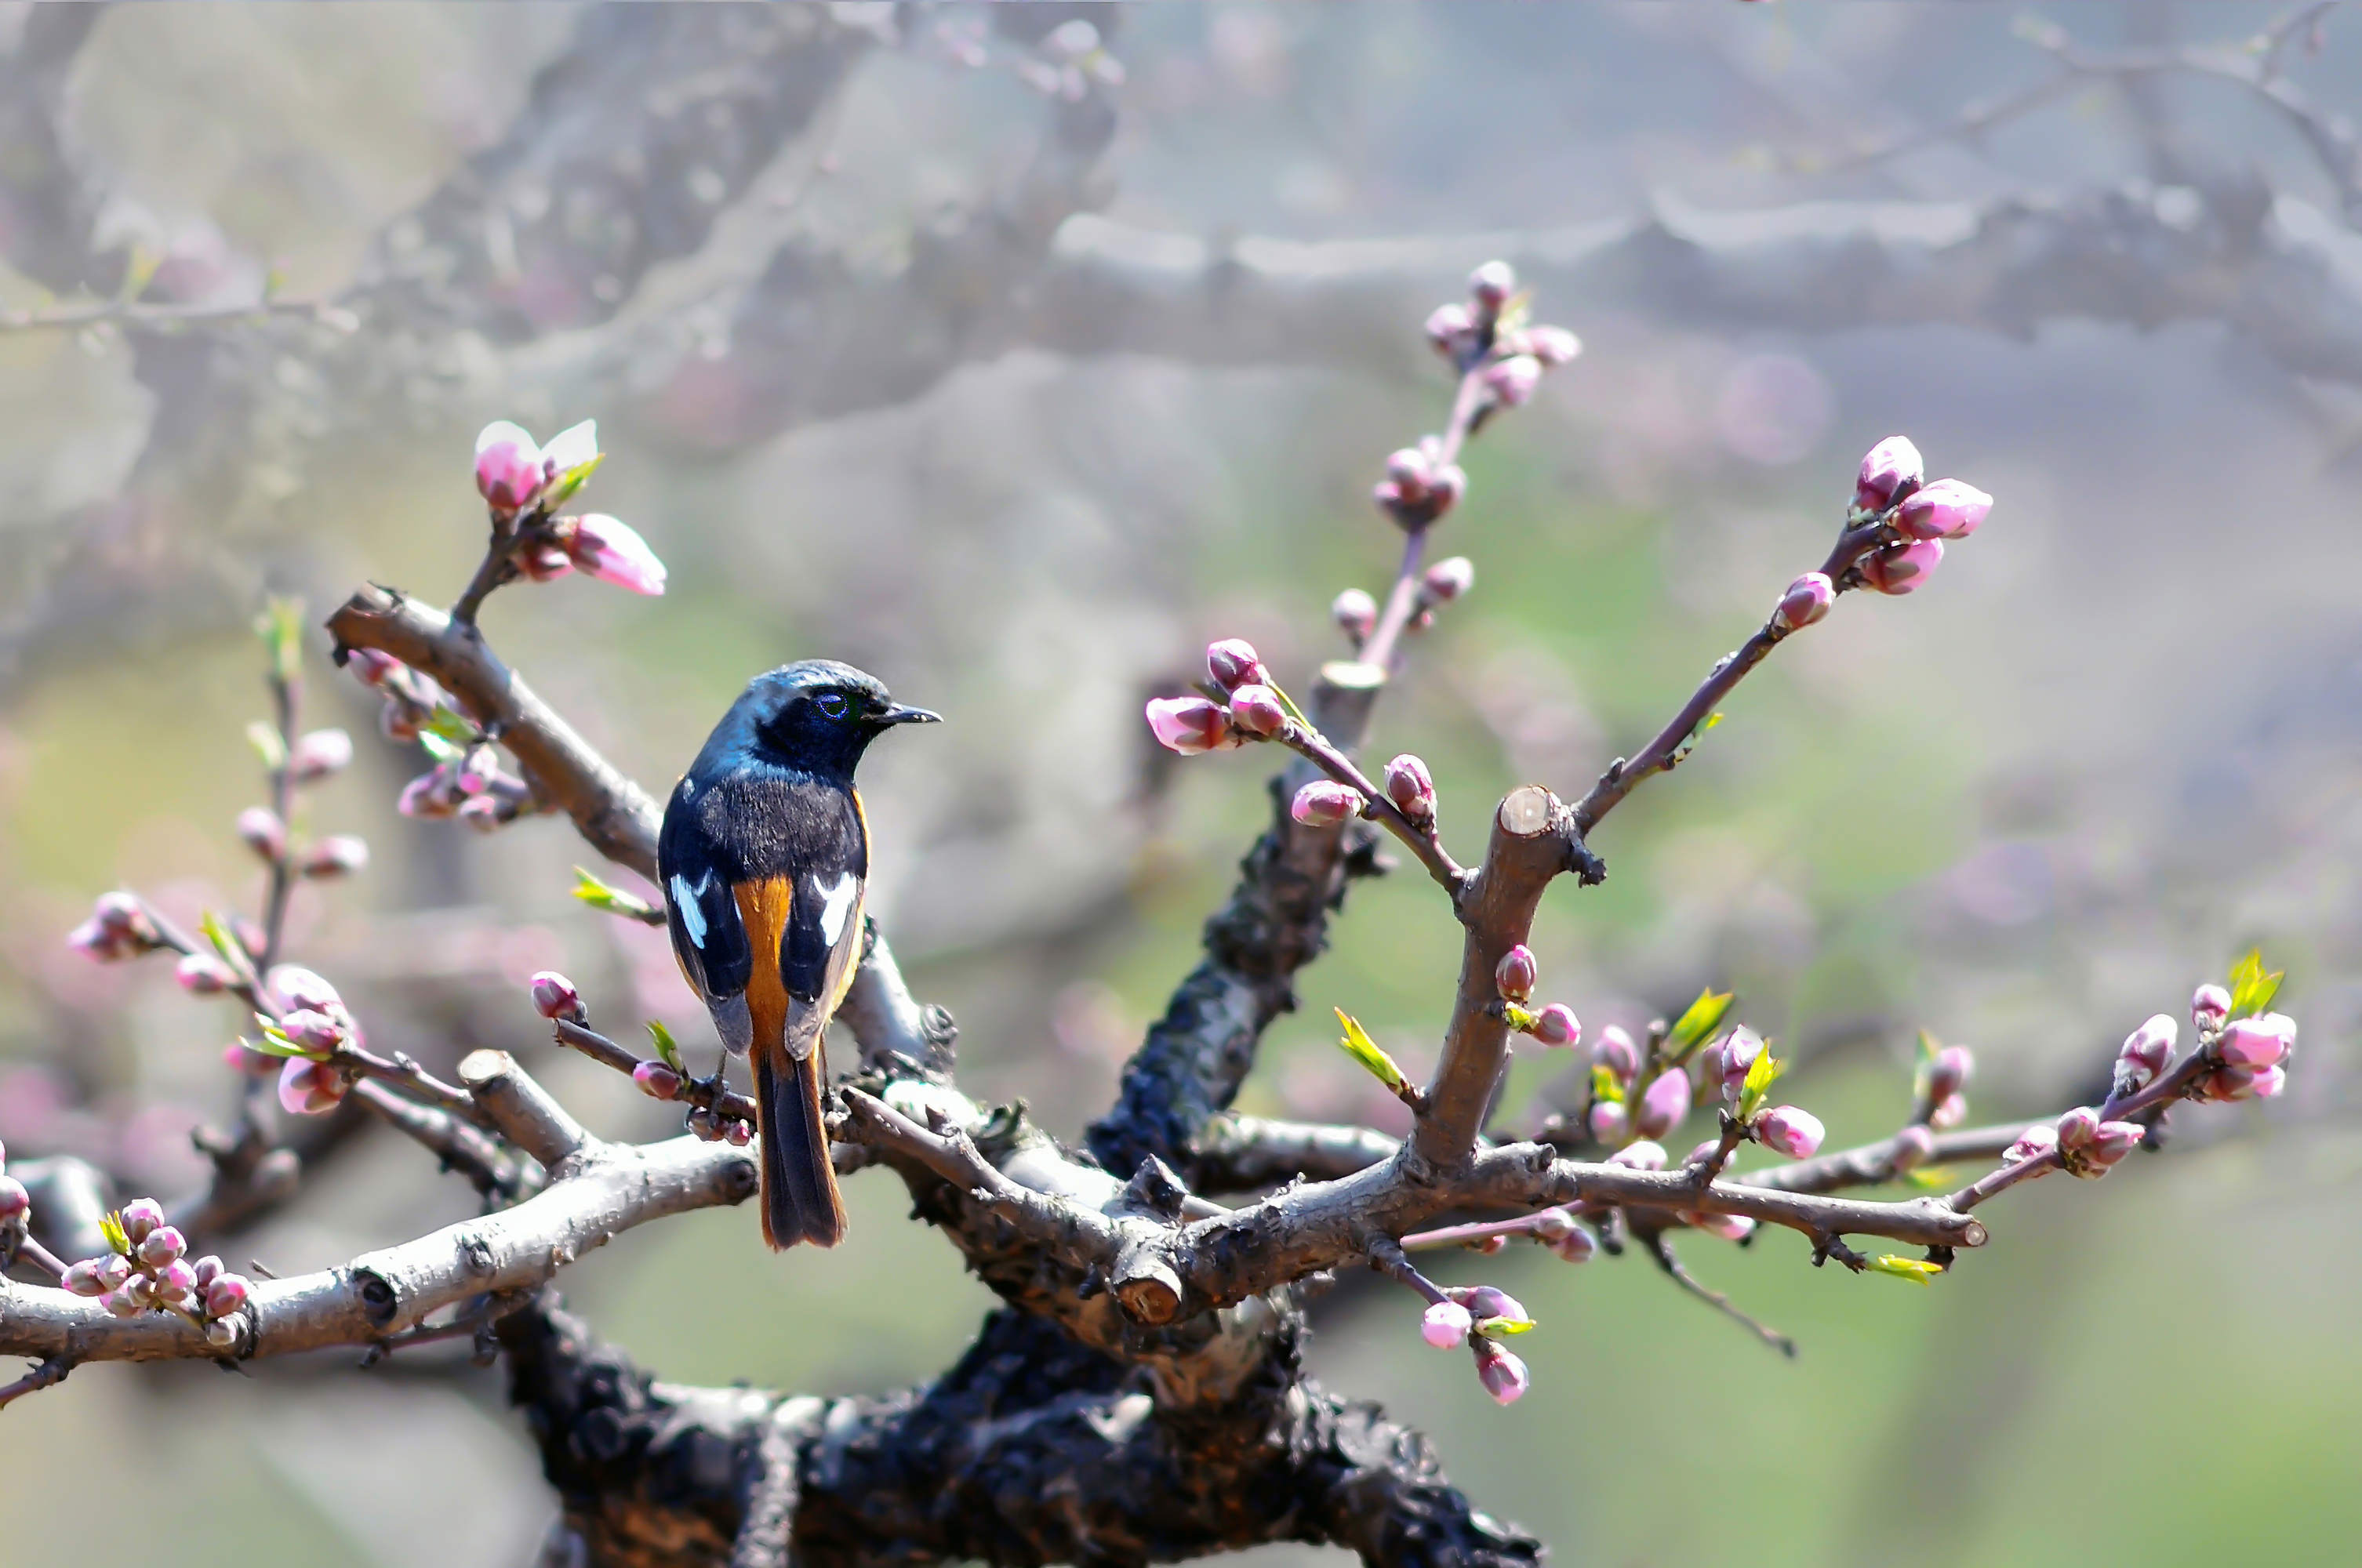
1479 1317
516 477
1557 1229
1515 977
1890 488
713 1127
314 1019
1251 710
1485 332
2253 1054
1615 1063
473 787
1420 486
148 1271
2090 1147
411 697
118 928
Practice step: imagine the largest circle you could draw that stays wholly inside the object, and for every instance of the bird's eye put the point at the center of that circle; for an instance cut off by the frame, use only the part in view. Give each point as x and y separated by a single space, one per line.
830 704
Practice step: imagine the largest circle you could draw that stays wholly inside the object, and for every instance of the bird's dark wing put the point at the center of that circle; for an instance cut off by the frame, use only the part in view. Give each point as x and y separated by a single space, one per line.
708 937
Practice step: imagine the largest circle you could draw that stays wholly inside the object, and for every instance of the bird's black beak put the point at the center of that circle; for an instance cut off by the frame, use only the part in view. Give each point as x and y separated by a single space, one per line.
899 715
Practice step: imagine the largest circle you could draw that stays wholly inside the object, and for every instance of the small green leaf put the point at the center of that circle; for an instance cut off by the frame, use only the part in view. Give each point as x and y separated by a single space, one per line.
274 1043
224 940
2252 989
450 724
440 749
1932 1178
1358 1044
138 272
280 626
1502 1327
1696 1025
664 1047
554 494
1604 1085
1517 1018
110 1225
615 901
1916 1270
1760 1074
268 744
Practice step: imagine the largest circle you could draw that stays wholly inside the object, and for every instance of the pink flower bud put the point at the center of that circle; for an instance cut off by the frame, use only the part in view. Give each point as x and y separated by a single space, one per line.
547 563
15 1202
203 974
227 1294
1551 1224
428 795
1946 1072
2075 1130
317 754
1664 1103
1450 329
309 1089
1788 1130
1947 509
206 1269
1491 285
1641 1157
1740 1049
1576 1246
738 1134
1512 381
1411 788
1447 580
1233 663
302 989
370 666
1556 1025
118 927
1445 1325
2209 1005
162 1245
222 1334
1256 711
1808 599
554 995
611 552
1517 973
1892 468
2111 1142
1902 568
1950 1111
1610 1121
1504 1376
2145 1053
1324 802
1729 1227
703 1125
2032 1143
398 721
1554 345
173 1277
485 813
1190 724
1355 612
508 466
124 1301
2257 1042
140 1218
315 1030
1486 1303
1617 1053
84 1278
1914 1147
655 1080
338 854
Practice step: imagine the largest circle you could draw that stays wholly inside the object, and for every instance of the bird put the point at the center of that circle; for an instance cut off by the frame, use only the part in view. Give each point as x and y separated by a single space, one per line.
764 858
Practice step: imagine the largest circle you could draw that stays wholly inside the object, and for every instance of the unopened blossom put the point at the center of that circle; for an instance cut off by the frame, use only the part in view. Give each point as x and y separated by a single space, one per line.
1419 486
1576 1245
1233 662
1190 724
263 831
203 974
611 551
371 667
1787 1130
1512 381
1807 601
1324 802
554 995
509 470
485 813
1490 286
1448 579
2209 1005
1554 345
338 854
227 1293
1950 1111
1445 1324
1487 1303
1903 567
1913 1147
1556 1025
1610 1121
2032 1143
1257 710
655 1080
1729 1227
2235 1081
1892 468
1740 1049
208 1269
1355 612
1617 1053
1452 330
1516 975
124 1301
2076 1129
1947 1072
1641 1156
118 927
161 1245
1504 1375
315 1030
2113 1142
2257 1042
298 987
15 1202
318 754
139 1217
1411 788
1662 1104
307 1087
1947 509
2145 1053
738 1134
176 1281
97 1277
434 793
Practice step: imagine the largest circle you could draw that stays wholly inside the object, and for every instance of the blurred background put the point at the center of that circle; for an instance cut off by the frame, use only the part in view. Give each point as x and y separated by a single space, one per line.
1015 363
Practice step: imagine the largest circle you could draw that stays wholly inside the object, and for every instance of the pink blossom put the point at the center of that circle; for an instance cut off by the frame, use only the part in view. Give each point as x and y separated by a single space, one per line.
1610 1121
139 1218
657 1081
263 831
1740 1049
1789 1131
300 988
1445 1324
227 1294
85 1278
1516 975
1902 568
2113 1142
1892 466
1355 612
2146 1053
1617 1053
118 927
1662 1104
1190 724
1450 328
15 1202
1729 1227
2257 1042
1491 285
307 1087
208 1269
2032 1143
1502 1375
1447 580
1256 711
162 1245
1419 486
1807 601
1947 509
370 666
1641 1157
1950 1111
509 470
554 995
1233 662
1556 1025
613 552
203 974
315 1030
317 754
1324 802
2209 1005
1947 1072
1411 788
1576 1245
124 1301
338 854
1512 381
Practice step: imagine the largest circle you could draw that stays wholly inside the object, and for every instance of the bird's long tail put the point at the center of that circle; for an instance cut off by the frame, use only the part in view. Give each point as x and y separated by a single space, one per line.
800 1201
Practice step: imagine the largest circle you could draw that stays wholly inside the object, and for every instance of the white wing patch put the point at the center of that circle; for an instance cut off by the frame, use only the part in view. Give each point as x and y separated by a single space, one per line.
684 903
835 903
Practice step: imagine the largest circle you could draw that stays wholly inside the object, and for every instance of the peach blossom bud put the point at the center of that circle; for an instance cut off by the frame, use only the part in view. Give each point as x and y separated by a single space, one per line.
1355 612
508 466
398 721
655 1080
1947 1072
428 795
15 1202
1610 1121
1556 1025
1729 1227
1411 788
1786 1129
554 995
118 927
1487 1246
338 854
1512 381
2111 1142
83 1278
222 1334
309 1089
547 563
1947 509
1740 1049
1256 711
161 1245
1486 1303
1892 468
1445 1324
370 666
1950 1111
1808 599
612 552
140 1218
203 974
1189 725
485 813
1233 663
1491 285
2075 1130
302 988
1902 568
1448 325
317 754
1517 973
2035 1142
1663 1104
1447 580
1914 1147
1554 345
1576 1246
1502 1375
1641 1157
2146 1053
1324 802
206 1269
1617 1053
315 1030
1551 1224
2209 1005
2257 1042
173 1276
124 1301
1702 1151
227 1294
738 1134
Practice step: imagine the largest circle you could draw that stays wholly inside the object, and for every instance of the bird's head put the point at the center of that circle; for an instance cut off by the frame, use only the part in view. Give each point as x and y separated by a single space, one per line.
820 715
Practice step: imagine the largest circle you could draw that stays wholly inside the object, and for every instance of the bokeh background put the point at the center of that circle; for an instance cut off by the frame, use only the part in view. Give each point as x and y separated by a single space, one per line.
920 337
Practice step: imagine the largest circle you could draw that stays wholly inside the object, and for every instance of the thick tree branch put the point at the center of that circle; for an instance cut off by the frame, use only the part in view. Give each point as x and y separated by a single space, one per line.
1239 1154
